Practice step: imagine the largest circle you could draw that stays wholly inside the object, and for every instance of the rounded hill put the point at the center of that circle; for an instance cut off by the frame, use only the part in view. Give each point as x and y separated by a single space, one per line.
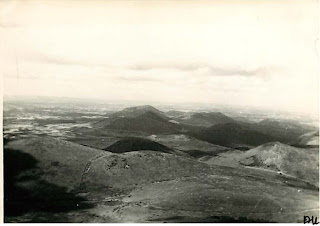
136 144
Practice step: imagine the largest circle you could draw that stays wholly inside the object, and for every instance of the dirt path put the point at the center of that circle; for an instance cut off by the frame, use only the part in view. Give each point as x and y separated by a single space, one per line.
88 166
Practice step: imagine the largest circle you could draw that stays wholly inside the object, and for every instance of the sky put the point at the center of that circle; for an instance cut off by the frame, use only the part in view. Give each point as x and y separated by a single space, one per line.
239 53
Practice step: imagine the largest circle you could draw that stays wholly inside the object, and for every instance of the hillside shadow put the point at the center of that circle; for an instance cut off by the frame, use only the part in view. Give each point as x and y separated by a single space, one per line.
25 191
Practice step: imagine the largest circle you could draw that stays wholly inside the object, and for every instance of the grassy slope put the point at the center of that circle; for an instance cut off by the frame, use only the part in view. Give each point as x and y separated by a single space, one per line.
162 187
144 186
61 161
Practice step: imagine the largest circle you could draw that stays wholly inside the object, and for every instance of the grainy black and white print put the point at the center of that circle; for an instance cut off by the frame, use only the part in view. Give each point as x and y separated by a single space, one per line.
169 111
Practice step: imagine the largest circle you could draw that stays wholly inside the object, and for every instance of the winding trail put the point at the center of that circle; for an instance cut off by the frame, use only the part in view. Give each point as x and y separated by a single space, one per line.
88 166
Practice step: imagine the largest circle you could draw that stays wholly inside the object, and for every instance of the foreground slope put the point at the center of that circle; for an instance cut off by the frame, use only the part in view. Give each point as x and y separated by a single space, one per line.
41 175
149 186
56 155
163 187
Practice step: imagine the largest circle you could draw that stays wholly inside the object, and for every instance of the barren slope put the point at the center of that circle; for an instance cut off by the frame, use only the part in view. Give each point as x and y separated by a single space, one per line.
297 162
308 139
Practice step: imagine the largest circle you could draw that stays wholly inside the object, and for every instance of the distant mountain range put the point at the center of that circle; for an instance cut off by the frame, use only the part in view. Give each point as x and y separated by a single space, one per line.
213 127
146 119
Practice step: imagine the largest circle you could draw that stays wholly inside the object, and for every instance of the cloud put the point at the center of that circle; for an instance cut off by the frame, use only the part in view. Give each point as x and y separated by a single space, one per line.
166 66
64 67
209 70
52 59
11 25
257 72
135 78
29 77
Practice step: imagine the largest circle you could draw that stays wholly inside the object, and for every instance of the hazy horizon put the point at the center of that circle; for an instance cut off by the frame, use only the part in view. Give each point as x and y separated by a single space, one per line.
165 106
259 54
